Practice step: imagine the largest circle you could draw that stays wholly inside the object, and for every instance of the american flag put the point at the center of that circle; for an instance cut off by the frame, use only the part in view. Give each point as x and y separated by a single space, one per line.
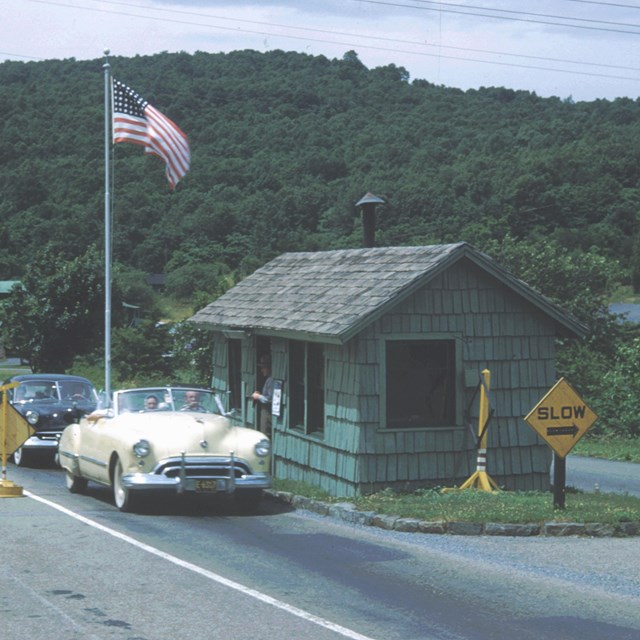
136 121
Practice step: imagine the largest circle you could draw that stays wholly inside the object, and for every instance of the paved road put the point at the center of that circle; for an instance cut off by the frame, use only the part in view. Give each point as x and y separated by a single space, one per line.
592 474
74 568
631 312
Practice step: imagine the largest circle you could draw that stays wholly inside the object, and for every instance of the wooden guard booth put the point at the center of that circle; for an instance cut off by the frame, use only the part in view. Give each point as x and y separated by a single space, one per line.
378 354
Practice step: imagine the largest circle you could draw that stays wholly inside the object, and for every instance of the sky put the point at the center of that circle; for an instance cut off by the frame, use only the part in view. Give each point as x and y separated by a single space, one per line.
579 49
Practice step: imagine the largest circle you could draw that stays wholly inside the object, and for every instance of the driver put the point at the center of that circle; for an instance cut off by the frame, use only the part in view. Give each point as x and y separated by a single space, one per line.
151 403
192 402
76 392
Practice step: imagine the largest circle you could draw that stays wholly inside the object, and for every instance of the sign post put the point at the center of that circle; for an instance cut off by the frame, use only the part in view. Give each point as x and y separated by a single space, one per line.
561 418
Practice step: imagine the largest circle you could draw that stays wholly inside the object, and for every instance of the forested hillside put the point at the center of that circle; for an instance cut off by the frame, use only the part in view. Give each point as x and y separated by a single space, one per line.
284 144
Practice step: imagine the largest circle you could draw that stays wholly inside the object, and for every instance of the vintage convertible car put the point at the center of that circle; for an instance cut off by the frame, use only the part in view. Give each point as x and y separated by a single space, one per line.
171 439
49 402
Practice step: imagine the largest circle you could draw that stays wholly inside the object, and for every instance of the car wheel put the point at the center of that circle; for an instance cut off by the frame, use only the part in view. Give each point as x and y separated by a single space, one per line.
75 484
20 457
248 501
123 497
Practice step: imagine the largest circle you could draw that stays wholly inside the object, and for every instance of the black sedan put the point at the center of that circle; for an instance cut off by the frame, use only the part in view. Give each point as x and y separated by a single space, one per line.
49 402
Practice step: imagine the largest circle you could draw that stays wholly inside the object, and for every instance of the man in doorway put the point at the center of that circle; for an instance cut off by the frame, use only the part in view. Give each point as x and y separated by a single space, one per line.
263 399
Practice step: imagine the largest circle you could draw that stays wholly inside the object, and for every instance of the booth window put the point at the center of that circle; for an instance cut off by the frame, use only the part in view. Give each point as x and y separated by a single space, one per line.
420 383
234 353
306 387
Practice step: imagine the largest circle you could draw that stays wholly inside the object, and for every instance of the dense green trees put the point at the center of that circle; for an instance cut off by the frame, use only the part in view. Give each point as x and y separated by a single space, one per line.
283 145
606 365
58 311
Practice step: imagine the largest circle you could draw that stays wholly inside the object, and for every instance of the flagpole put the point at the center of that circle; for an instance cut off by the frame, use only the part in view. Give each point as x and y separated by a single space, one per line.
107 228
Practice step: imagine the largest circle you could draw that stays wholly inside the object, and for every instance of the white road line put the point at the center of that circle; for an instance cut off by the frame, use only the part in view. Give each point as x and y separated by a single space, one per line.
300 613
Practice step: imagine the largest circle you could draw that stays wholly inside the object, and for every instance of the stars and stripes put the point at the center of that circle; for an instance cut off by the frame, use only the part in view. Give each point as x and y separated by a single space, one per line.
137 122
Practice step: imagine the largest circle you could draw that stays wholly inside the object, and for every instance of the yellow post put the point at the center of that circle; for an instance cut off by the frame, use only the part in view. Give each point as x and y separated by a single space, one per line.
7 488
481 479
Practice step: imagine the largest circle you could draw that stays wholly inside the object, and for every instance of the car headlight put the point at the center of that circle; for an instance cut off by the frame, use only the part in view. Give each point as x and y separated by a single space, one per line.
32 417
263 448
142 448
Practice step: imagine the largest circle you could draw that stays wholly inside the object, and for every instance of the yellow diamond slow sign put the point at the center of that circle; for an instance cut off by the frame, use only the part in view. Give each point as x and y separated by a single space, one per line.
561 418
17 430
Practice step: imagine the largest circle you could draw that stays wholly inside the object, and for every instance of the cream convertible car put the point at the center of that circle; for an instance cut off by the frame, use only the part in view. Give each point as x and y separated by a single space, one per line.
166 439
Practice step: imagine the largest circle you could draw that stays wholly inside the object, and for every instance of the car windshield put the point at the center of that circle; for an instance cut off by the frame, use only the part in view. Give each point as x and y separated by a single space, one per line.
167 399
36 391
49 390
77 391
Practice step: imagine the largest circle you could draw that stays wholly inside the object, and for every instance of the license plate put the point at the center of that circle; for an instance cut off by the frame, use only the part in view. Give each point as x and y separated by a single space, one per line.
206 485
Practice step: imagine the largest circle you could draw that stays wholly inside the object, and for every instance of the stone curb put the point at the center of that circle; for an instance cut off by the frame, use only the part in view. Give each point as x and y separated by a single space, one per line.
347 512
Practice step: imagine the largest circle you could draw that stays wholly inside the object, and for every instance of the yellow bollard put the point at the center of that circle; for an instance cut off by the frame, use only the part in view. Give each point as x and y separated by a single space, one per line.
10 490
480 479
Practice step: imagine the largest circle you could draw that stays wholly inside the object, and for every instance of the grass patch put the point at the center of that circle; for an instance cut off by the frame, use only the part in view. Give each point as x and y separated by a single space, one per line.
617 448
302 489
8 372
174 311
503 506
625 295
477 506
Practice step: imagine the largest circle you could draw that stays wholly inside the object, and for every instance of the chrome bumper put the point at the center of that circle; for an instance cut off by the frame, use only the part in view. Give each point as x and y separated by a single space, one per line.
142 481
48 444
182 474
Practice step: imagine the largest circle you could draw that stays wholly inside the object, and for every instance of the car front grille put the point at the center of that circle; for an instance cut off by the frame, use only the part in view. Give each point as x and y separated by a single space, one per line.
202 468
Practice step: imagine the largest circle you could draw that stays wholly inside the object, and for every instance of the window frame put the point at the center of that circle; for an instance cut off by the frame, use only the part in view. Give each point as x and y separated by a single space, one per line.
307 388
457 377
234 373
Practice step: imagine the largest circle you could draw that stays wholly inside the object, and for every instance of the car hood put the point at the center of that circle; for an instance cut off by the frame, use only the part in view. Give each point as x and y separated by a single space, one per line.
171 433
54 412
53 406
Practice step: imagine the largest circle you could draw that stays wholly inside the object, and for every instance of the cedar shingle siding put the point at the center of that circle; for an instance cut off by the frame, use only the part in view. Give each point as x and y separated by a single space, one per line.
355 303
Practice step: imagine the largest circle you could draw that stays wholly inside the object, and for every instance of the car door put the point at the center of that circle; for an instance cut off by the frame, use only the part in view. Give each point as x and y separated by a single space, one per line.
94 449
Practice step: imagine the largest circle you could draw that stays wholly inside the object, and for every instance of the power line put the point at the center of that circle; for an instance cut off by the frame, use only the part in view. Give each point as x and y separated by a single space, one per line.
519 13
606 4
19 55
351 35
440 9
439 6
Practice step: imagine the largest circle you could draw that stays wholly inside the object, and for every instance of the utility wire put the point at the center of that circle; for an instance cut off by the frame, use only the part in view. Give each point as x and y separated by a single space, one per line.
19 55
440 9
378 38
349 44
324 31
606 4
439 5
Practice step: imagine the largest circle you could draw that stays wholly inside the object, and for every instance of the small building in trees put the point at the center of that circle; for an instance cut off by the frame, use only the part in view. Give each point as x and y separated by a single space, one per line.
6 286
377 355
157 281
5 289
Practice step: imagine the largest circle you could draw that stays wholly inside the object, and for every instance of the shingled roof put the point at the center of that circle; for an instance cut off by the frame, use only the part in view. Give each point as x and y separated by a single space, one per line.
332 295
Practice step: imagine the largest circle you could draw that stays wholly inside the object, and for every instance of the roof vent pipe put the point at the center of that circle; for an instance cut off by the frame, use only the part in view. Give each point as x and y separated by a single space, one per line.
368 203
